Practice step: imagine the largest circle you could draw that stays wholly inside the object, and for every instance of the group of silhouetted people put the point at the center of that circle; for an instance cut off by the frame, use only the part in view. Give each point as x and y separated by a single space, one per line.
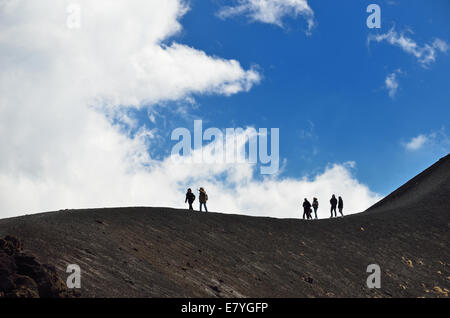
202 198
308 207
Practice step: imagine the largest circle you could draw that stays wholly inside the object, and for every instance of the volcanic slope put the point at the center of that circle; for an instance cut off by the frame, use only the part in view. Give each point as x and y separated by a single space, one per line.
162 252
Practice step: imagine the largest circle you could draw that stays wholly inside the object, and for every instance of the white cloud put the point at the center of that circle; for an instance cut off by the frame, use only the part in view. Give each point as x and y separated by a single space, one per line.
270 11
425 54
59 150
117 55
416 143
437 140
391 83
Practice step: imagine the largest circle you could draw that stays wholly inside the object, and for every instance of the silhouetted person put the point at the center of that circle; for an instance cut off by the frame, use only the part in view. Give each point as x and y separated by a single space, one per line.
306 209
190 198
333 203
340 206
203 197
315 206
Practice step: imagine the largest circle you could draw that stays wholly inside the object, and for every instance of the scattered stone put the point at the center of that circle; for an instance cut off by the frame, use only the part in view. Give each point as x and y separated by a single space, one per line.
440 291
215 288
407 262
308 279
129 281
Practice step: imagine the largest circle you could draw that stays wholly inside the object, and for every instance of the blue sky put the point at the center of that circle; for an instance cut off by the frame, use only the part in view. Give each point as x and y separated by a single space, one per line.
326 91
90 92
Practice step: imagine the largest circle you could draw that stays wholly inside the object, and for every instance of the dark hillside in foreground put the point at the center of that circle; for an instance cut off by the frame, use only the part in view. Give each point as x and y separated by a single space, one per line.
160 252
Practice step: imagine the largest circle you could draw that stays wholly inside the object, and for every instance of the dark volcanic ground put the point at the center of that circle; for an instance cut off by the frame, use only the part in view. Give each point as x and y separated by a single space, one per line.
160 252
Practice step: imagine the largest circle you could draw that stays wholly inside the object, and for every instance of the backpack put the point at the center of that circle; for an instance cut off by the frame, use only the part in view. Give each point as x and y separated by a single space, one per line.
206 197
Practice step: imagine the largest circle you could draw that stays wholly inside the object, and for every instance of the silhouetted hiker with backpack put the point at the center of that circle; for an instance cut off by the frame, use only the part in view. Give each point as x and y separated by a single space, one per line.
307 209
190 198
315 206
203 197
340 206
333 203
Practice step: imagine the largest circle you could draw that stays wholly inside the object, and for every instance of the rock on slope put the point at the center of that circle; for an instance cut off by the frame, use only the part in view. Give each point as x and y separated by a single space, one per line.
21 276
160 252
